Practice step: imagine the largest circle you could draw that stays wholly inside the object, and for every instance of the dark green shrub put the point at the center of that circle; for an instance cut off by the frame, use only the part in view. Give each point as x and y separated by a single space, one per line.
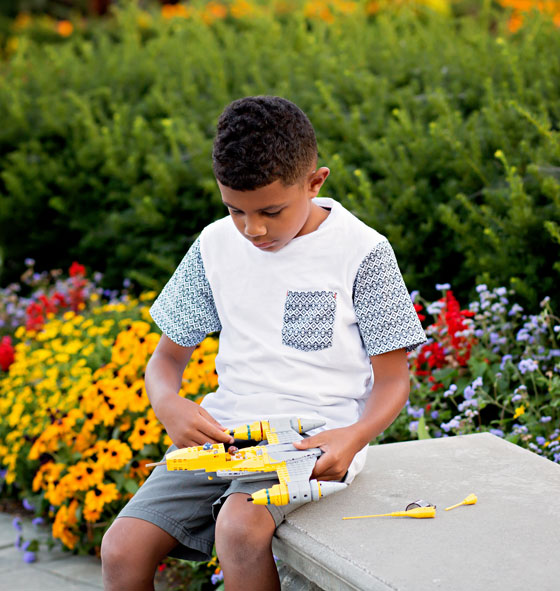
440 134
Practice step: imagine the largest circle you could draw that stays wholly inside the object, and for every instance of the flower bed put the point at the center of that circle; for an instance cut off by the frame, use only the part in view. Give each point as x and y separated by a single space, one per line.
77 430
490 367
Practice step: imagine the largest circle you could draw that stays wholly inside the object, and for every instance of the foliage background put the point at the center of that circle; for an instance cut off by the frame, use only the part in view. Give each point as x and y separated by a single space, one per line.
441 133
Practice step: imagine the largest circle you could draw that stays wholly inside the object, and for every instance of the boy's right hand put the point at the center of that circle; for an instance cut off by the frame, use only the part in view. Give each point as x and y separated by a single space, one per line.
187 423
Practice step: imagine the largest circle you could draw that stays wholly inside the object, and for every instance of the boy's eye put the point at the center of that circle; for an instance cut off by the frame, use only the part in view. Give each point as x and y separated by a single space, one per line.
271 214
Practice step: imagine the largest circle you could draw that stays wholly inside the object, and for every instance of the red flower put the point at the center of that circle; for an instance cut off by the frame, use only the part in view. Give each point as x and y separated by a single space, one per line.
59 300
418 307
77 269
6 353
35 318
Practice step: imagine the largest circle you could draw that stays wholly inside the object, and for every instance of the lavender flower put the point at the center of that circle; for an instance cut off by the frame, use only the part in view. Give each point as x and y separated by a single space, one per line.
468 393
443 286
38 521
450 391
28 505
29 557
505 359
216 578
16 523
527 365
415 413
413 426
497 432
546 419
477 383
515 309
541 440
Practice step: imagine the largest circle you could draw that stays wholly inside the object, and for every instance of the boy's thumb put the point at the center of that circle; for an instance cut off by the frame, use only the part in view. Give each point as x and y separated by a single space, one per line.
303 443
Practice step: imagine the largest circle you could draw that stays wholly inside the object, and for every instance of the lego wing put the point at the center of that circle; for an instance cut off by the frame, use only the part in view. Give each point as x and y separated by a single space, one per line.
287 430
298 469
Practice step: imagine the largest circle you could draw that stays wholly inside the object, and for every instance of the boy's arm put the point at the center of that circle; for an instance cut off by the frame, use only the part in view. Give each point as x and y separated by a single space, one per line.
388 396
184 420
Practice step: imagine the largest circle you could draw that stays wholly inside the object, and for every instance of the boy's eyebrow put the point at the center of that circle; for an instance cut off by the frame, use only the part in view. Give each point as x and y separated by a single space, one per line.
275 206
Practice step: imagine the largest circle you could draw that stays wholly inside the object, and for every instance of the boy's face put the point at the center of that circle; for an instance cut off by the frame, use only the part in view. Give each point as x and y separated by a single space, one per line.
273 215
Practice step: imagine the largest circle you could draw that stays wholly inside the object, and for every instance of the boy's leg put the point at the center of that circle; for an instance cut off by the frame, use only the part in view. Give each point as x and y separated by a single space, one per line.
130 553
244 545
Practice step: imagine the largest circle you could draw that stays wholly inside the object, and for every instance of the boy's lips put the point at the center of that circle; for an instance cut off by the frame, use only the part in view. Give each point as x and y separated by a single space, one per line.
264 244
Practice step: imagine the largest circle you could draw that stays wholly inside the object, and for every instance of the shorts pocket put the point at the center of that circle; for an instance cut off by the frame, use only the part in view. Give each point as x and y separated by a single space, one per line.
309 320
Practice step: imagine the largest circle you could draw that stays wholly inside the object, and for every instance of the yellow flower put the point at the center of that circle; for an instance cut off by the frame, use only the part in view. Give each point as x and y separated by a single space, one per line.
520 410
145 431
97 498
65 524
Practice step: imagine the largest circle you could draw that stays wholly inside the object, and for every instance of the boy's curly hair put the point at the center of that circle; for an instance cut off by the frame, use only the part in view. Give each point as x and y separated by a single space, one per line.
261 139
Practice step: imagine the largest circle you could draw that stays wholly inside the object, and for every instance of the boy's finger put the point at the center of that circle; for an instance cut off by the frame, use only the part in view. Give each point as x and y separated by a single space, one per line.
216 433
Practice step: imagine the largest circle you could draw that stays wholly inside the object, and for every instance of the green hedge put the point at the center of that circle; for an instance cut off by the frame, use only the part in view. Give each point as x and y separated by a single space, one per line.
438 133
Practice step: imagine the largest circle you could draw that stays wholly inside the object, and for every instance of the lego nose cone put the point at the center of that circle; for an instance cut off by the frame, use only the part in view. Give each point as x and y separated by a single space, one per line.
306 424
329 488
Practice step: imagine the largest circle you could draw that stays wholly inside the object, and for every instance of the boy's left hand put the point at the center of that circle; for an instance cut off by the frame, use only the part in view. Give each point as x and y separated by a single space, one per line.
339 449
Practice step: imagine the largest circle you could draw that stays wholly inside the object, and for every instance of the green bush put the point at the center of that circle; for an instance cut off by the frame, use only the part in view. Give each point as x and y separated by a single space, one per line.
440 134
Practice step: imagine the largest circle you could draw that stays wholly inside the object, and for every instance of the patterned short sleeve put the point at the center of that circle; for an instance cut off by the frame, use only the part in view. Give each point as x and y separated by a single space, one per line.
185 310
386 315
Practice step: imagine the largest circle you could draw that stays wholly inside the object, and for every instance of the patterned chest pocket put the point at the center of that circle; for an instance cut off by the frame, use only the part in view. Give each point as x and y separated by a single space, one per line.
309 320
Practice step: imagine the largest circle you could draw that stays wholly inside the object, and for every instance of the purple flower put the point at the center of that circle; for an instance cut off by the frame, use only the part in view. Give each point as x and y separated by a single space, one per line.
477 383
541 440
450 391
18 542
452 424
516 398
16 523
29 557
467 403
28 505
435 414
38 521
468 393
482 287
413 426
505 359
527 365
415 413
515 309
216 578
25 545
497 432
442 286
546 419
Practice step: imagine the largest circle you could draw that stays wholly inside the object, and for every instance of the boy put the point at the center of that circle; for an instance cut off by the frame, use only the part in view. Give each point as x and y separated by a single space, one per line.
309 301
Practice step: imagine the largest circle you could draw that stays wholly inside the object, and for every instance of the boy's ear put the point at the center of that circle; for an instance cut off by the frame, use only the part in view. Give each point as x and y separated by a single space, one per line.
316 180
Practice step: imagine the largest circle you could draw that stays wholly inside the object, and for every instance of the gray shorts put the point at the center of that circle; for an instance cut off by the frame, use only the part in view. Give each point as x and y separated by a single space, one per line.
186 505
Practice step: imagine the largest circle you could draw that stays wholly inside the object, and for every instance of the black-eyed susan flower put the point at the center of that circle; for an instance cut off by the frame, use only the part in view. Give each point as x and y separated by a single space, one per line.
145 431
97 498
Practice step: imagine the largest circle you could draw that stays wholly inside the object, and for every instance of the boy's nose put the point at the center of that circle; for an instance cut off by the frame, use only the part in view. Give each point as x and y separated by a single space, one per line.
254 229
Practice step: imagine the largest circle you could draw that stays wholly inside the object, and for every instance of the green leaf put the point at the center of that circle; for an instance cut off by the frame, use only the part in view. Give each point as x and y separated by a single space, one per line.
131 486
422 429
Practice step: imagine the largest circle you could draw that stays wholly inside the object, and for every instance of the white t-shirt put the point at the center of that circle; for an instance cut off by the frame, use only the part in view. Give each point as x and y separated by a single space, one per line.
297 325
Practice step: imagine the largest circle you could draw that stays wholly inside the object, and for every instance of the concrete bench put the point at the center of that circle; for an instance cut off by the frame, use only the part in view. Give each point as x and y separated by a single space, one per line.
509 540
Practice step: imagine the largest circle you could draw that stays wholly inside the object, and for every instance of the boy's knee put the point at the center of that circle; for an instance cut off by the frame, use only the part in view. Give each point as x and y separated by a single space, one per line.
134 545
114 549
243 528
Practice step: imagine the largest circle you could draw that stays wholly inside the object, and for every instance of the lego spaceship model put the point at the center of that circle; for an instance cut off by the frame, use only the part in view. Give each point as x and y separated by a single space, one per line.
278 457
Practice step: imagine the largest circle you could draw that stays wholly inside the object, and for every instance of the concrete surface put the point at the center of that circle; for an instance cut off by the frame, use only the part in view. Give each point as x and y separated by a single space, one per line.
509 540
54 570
